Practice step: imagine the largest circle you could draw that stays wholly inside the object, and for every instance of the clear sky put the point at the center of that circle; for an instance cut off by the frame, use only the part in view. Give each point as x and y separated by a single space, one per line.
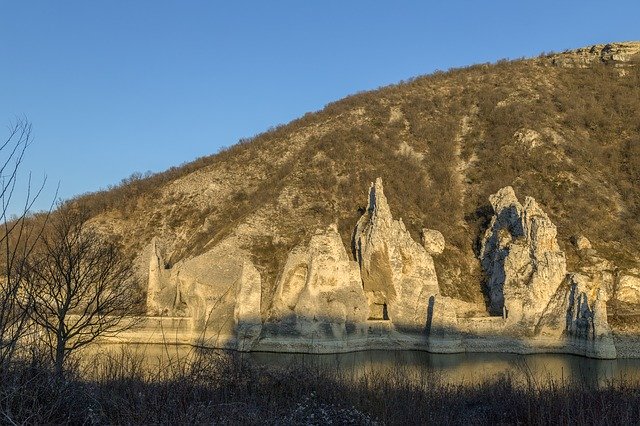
114 87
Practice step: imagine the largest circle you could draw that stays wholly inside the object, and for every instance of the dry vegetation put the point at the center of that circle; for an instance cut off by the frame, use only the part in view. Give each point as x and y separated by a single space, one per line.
223 388
570 137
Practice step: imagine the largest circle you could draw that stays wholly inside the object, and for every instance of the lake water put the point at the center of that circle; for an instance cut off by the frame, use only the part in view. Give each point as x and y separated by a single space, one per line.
467 368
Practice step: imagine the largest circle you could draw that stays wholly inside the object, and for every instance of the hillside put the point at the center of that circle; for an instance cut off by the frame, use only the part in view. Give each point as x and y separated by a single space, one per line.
562 128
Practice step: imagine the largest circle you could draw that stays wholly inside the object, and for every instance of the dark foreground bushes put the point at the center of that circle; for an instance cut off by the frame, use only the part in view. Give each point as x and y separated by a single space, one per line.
224 388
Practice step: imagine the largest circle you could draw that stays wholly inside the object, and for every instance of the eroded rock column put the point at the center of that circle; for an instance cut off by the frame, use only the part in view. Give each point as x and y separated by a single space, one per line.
398 274
521 258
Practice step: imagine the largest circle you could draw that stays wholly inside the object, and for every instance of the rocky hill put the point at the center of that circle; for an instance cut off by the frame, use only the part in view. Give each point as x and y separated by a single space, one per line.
561 128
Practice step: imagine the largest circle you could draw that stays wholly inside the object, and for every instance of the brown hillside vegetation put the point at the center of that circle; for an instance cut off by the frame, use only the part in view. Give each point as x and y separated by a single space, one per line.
564 129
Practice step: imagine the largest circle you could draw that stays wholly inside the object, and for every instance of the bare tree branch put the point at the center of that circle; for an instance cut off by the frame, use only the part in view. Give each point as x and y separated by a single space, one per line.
81 285
18 238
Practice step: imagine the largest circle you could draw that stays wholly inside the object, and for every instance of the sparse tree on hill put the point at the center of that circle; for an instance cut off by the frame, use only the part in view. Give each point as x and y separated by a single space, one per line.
81 285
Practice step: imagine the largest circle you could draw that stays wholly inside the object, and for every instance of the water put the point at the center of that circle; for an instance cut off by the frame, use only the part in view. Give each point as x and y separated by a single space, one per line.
467 368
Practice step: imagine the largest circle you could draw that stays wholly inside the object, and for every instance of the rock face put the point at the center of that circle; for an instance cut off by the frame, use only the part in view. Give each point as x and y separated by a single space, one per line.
583 304
521 258
389 296
629 287
220 290
432 241
319 293
612 53
581 242
151 267
581 318
442 325
528 281
398 274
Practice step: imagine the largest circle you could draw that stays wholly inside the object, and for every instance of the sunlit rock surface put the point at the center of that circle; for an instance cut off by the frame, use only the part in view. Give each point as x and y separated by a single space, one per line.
432 241
219 290
521 258
629 287
149 268
398 274
578 315
388 297
319 293
617 54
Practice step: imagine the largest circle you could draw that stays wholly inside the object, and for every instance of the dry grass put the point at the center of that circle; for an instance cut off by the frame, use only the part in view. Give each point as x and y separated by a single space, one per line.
224 388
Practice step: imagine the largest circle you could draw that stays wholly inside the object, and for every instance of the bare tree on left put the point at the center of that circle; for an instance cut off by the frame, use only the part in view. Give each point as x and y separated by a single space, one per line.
81 284
18 239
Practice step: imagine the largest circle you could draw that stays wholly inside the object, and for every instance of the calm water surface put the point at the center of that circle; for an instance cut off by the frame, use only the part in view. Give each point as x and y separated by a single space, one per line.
448 368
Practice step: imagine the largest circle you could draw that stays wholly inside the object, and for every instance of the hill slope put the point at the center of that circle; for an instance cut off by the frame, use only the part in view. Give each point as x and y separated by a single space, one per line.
563 128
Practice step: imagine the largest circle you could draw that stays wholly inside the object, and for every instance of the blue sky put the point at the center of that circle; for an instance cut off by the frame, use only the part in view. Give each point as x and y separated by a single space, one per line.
115 87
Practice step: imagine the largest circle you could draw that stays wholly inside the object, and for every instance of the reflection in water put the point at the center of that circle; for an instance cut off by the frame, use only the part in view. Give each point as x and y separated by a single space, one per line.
466 368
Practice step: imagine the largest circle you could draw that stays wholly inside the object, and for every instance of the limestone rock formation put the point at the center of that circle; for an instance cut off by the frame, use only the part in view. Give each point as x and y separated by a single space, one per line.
398 274
612 53
521 258
577 316
219 290
581 242
319 293
628 288
586 317
432 241
442 319
150 268
324 301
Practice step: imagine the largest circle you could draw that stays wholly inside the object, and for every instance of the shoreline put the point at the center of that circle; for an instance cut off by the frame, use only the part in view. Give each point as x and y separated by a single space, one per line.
180 331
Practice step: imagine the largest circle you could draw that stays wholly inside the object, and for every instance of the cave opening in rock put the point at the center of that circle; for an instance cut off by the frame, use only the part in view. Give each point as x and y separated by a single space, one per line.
378 312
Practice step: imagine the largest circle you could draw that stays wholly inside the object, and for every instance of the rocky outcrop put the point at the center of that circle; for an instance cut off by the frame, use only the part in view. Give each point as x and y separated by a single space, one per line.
432 241
389 297
151 269
398 274
528 281
577 317
521 258
319 294
612 53
581 242
628 288
219 290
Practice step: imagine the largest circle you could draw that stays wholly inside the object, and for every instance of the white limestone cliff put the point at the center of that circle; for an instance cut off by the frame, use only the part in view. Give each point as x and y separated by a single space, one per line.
150 268
628 288
528 281
398 274
578 316
389 297
319 293
521 258
219 290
